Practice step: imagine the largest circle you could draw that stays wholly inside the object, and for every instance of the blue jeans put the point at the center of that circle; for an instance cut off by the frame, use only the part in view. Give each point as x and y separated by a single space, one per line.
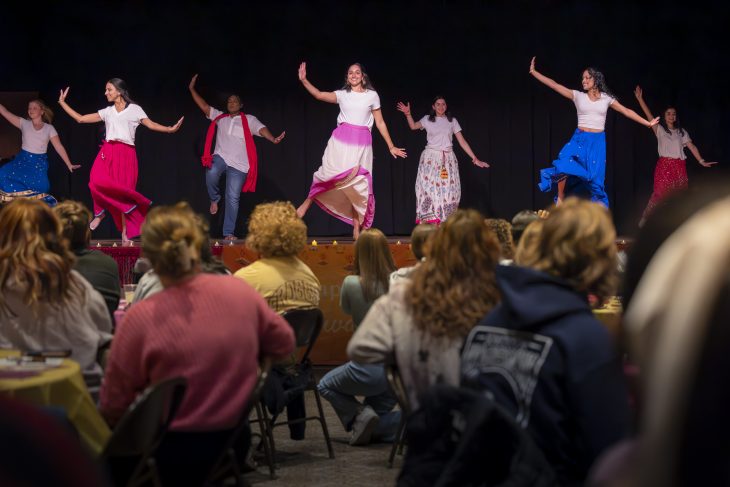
234 182
341 385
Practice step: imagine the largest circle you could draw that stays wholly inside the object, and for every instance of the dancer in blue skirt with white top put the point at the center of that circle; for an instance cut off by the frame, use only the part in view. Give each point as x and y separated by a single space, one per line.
580 168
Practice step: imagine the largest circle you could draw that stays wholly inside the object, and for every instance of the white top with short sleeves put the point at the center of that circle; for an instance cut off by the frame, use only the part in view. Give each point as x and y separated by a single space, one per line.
591 114
36 141
121 126
440 132
672 145
356 108
229 141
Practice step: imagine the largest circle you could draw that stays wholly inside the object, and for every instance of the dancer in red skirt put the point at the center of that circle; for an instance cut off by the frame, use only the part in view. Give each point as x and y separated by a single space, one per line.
113 177
670 173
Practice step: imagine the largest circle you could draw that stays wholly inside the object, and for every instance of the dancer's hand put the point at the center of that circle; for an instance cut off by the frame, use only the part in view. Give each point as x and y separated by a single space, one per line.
73 167
638 92
532 65
405 108
279 138
302 71
479 163
191 86
62 95
176 127
705 163
397 152
653 122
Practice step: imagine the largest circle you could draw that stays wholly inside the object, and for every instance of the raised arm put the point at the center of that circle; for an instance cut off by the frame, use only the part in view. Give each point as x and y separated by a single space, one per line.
628 113
88 118
165 129
405 108
465 145
56 141
266 134
327 96
549 82
696 152
10 117
639 94
383 129
202 104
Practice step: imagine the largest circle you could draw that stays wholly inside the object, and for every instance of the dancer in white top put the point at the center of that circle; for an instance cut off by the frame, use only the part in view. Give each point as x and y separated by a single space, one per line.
113 177
438 187
580 168
26 176
343 185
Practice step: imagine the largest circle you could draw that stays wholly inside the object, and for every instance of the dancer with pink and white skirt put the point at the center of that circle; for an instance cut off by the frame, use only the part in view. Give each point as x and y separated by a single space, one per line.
343 184
438 187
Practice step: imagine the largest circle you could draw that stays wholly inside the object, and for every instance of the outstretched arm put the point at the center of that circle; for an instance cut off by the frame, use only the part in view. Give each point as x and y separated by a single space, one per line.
639 94
197 98
10 117
88 118
405 108
696 152
266 134
549 82
327 96
56 141
465 145
628 113
166 129
383 129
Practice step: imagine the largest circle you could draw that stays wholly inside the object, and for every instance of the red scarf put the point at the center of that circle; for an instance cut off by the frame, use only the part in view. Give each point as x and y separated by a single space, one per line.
207 159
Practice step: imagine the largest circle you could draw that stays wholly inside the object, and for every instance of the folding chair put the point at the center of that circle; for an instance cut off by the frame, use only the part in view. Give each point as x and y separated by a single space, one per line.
306 323
395 381
142 428
227 463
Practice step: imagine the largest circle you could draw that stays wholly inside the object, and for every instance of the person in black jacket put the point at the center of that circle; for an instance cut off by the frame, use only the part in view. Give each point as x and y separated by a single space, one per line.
542 355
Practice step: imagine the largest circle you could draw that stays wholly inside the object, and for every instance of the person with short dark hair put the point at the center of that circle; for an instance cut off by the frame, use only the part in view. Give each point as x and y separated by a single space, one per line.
520 222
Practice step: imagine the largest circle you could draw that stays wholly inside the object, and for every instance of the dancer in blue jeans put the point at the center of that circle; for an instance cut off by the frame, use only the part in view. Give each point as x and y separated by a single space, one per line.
235 154
373 418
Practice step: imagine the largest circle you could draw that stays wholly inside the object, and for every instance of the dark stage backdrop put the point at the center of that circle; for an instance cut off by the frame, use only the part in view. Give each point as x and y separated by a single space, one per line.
476 54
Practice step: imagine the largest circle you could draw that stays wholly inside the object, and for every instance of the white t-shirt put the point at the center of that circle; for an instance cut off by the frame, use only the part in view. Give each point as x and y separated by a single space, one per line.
122 125
36 141
357 108
229 141
440 132
591 114
672 145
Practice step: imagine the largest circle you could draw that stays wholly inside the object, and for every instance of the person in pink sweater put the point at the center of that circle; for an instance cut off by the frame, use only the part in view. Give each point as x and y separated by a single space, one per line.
210 329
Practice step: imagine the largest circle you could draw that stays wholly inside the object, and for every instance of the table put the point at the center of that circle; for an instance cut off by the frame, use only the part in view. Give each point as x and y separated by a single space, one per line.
61 386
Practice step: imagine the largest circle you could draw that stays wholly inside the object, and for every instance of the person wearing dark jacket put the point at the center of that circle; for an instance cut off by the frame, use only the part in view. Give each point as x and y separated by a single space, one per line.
542 354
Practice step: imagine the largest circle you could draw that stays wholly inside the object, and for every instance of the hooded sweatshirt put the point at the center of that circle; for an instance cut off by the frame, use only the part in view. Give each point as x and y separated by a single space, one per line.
541 354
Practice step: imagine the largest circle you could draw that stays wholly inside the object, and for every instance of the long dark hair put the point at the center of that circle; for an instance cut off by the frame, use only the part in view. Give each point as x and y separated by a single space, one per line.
366 83
600 81
677 125
121 87
432 115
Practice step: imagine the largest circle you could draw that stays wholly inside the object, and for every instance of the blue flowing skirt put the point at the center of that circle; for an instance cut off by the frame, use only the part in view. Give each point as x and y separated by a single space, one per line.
26 176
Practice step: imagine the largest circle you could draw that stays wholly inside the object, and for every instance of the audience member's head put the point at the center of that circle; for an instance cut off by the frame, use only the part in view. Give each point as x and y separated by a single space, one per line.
420 237
33 252
529 243
275 230
503 230
75 218
373 263
172 240
455 286
578 244
520 222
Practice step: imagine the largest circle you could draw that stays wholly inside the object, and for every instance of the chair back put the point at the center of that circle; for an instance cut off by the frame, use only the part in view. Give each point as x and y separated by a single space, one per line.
147 419
395 381
306 323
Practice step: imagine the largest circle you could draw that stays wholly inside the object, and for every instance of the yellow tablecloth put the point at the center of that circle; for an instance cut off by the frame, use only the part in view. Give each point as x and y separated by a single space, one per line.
61 386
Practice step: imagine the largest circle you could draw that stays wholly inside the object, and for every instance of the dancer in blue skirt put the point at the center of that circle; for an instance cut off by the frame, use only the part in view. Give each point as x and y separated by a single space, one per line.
580 168
26 176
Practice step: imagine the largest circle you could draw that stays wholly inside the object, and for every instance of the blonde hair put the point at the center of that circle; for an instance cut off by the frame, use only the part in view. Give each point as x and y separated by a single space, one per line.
529 243
455 287
275 230
503 230
47 112
373 263
172 239
34 255
577 242
75 218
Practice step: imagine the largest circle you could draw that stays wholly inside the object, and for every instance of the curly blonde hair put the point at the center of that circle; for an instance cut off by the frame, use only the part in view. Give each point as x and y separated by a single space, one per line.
34 254
503 230
577 242
275 230
455 287
172 239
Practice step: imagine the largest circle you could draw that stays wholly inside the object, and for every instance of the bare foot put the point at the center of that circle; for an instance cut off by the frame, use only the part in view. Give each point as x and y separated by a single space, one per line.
213 207
302 210
95 222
